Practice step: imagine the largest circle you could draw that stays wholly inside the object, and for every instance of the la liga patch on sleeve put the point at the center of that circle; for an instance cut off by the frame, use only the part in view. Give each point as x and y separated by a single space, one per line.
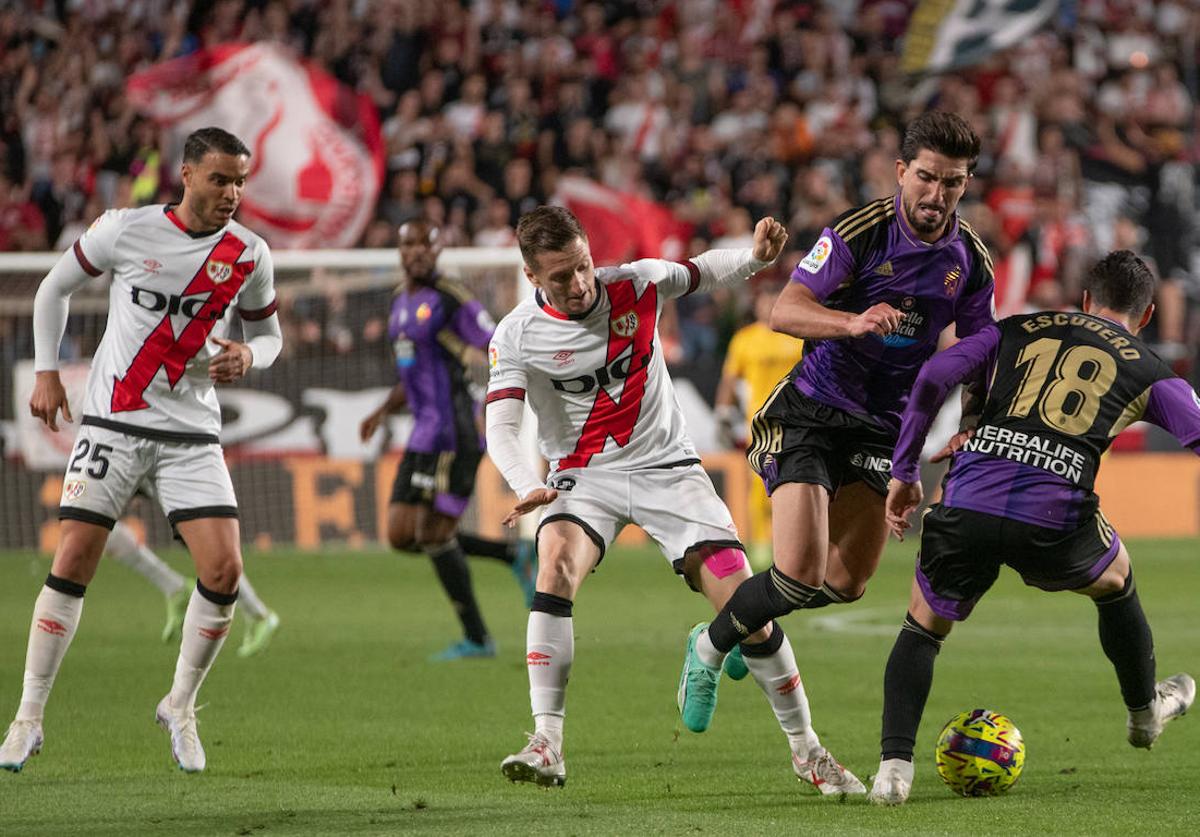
818 255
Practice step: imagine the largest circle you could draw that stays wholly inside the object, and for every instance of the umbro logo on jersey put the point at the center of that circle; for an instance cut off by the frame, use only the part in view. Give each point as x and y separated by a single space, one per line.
618 370
564 358
218 272
884 269
152 265
625 325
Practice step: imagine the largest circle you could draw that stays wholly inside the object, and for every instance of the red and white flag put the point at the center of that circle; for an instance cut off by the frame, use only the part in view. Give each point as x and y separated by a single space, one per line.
621 226
317 161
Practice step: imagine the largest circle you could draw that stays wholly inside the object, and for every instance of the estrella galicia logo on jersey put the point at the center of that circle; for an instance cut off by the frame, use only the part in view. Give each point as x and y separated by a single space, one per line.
911 326
562 483
190 306
73 490
621 368
951 281
218 272
818 255
625 325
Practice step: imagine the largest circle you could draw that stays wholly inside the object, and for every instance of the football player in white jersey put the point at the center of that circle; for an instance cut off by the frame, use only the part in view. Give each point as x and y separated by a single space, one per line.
585 352
150 417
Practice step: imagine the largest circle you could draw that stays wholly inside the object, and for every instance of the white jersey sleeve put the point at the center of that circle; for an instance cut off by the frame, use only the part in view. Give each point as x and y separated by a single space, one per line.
507 377
96 249
257 299
673 279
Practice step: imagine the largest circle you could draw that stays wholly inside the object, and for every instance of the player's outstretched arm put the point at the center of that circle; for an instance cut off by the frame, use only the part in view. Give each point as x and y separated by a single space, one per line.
51 305
503 419
394 403
799 313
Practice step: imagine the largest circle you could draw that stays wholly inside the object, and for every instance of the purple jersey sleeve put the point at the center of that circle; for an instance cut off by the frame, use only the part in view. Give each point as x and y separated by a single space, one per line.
970 358
473 324
975 312
826 267
1175 407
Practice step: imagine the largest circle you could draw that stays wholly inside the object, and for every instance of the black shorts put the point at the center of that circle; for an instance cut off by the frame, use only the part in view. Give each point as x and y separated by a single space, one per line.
795 438
443 480
962 550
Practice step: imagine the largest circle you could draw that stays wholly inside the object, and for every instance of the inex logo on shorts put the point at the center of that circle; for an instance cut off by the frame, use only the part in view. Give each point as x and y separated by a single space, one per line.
218 272
625 325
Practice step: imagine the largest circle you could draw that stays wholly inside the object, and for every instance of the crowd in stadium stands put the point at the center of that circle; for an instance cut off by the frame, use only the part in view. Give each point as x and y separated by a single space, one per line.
725 111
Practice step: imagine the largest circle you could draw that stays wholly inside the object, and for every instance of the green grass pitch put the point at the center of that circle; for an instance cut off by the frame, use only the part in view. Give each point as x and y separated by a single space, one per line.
342 727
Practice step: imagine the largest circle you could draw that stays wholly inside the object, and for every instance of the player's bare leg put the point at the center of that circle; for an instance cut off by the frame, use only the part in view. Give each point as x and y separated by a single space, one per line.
857 534
216 551
566 554
56 614
414 527
769 657
906 683
1128 643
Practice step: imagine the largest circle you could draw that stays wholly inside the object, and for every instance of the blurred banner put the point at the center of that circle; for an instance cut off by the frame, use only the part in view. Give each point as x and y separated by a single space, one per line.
317 161
621 226
946 34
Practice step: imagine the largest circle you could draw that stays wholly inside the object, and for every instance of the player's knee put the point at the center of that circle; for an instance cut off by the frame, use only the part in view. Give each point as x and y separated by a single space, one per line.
401 538
222 574
558 571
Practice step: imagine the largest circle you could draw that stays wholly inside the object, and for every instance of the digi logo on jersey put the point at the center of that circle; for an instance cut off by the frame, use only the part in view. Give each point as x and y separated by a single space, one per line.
621 368
190 306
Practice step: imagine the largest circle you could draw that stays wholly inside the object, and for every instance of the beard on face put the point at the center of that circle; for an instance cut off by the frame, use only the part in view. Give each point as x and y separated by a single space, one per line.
921 226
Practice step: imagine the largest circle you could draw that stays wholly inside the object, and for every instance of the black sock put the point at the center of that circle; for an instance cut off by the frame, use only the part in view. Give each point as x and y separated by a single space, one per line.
827 596
484 548
757 601
1128 643
906 683
451 566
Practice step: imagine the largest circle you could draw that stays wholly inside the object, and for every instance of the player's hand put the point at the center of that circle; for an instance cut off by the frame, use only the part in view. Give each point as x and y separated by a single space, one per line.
233 362
369 425
902 500
534 499
956 441
881 319
769 238
48 398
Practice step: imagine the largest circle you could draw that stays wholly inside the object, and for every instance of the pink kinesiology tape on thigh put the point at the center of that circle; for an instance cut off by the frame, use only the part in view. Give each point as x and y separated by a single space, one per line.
725 562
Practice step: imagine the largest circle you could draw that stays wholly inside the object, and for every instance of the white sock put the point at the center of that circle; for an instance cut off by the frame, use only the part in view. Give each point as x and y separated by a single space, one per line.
124 547
55 618
550 650
204 630
707 652
249 600
780 681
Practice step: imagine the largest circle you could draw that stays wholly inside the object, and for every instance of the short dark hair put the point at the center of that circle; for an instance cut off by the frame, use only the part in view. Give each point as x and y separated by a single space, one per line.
209 139
545 229
1121 282
941 131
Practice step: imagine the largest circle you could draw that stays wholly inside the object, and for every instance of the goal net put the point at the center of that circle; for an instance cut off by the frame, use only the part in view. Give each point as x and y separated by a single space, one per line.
290 432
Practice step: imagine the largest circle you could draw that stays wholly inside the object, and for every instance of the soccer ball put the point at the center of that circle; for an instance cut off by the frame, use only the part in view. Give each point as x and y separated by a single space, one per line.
980 753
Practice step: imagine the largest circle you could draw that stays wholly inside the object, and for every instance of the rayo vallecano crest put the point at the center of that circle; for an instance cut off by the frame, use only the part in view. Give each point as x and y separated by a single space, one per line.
218 272
625 325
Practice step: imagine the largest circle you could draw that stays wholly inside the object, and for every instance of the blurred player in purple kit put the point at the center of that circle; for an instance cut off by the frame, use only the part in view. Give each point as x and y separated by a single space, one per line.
437 330
1060 387
870 300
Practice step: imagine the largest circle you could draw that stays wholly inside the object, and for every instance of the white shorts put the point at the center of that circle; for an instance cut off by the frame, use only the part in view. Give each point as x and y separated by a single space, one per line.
677 507
107 468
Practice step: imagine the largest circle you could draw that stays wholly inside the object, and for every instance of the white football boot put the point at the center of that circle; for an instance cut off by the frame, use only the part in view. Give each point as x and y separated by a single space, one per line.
1172 698
893 782
822 771
539 763
24 739
185 742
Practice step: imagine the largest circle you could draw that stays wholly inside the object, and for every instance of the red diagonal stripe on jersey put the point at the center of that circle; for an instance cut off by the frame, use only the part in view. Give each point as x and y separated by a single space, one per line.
163 348
618 418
